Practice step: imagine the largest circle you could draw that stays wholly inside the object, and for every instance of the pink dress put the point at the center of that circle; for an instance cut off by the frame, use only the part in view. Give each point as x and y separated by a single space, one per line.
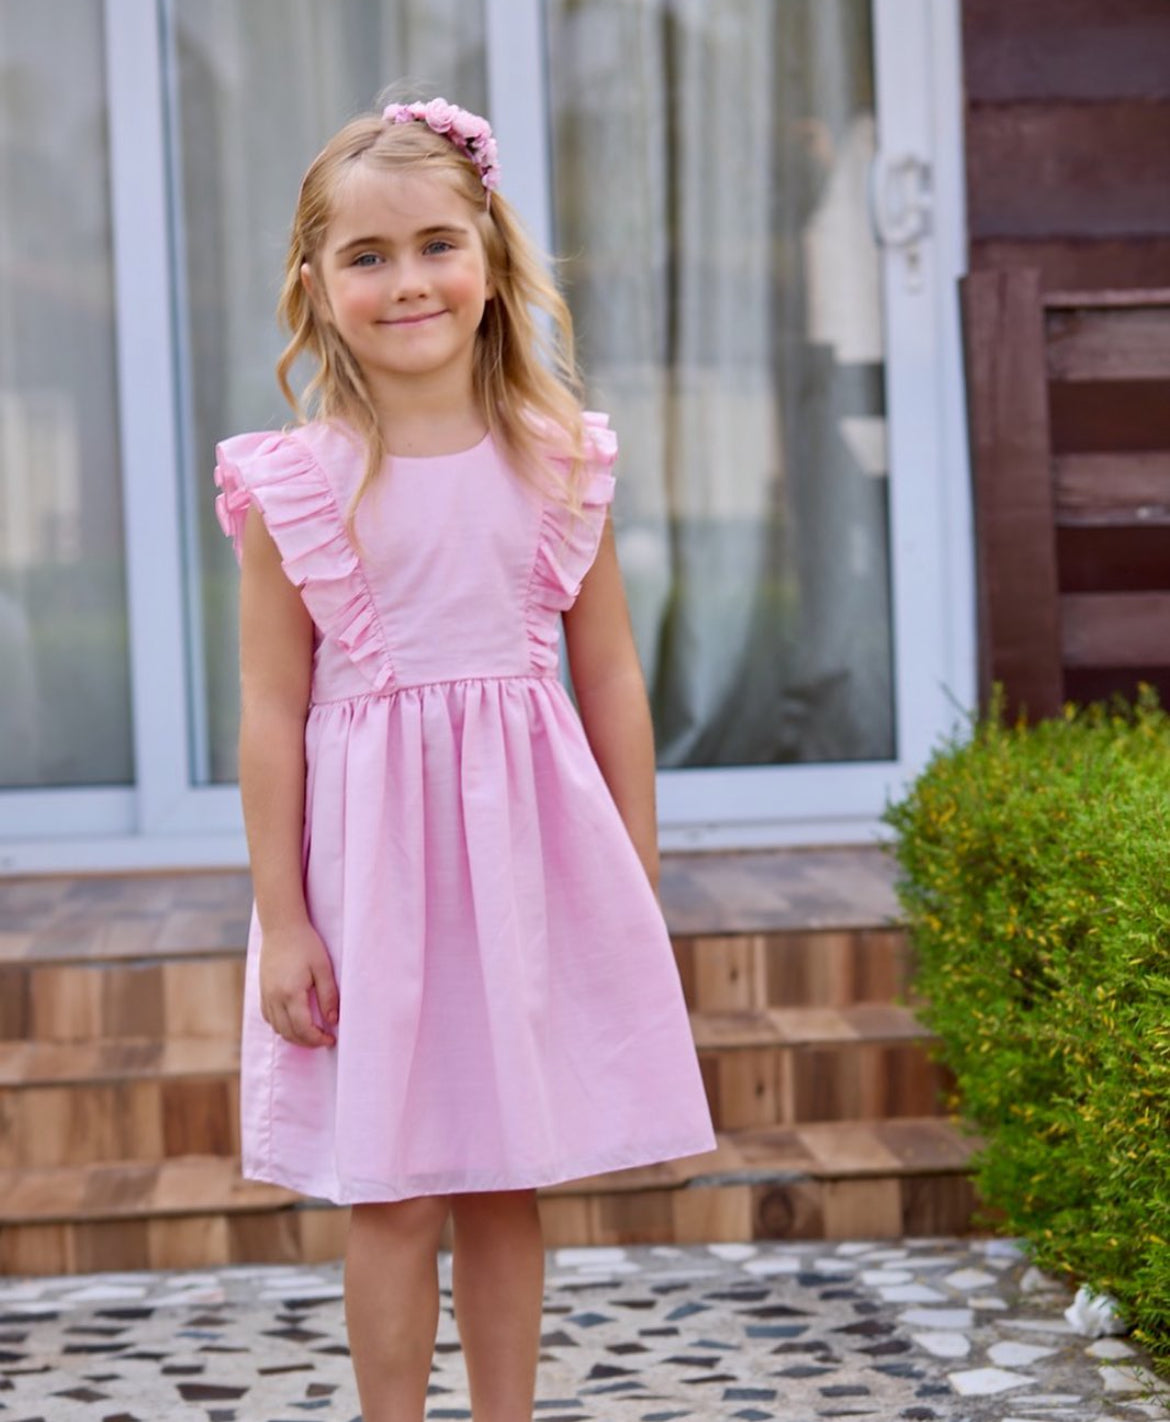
511 1014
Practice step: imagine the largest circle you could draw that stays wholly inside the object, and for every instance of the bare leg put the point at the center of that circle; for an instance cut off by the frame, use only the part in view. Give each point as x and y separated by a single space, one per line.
392 1304
499 1294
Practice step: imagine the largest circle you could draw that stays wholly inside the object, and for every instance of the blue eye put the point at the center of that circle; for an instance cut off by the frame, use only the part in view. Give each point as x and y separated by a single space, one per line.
438 246
366 259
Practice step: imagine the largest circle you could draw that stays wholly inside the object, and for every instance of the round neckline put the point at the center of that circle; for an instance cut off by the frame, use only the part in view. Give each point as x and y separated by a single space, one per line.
453 454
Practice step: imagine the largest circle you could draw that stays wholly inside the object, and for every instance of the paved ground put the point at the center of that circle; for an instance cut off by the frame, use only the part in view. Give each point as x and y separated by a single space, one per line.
919 1330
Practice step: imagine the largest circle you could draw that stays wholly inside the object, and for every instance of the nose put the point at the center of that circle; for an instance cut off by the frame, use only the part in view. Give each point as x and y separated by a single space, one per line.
409 279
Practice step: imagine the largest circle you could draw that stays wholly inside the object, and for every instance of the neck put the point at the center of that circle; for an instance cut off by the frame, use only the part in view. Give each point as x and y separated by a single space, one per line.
431 415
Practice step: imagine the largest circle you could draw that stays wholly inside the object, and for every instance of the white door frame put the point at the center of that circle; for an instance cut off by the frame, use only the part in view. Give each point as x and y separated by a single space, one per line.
166 821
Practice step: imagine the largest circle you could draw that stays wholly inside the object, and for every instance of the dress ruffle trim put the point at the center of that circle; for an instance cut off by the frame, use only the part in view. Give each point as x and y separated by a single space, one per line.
278 473
569 541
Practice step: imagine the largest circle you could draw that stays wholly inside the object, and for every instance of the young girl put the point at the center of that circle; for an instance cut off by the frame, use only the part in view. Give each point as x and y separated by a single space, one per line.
460 986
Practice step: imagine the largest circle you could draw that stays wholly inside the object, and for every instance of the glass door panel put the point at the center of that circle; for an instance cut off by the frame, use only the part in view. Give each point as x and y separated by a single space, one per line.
255 89
709 181
65 707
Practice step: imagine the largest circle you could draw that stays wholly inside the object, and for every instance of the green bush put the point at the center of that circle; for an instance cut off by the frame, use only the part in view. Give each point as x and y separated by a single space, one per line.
1035 880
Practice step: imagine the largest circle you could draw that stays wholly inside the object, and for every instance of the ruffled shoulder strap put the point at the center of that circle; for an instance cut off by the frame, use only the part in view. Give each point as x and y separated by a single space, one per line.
283 474
601 451
569 541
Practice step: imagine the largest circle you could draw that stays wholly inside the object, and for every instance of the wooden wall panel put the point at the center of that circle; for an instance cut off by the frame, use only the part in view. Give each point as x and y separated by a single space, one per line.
1113 559
1015 538
1080 264
1066 49
1117 416
1060 169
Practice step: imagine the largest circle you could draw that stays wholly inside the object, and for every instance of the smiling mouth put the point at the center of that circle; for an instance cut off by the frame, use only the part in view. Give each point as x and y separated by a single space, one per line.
412 320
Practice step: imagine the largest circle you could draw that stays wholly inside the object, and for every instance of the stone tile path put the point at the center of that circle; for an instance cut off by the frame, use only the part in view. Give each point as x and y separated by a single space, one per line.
919 1330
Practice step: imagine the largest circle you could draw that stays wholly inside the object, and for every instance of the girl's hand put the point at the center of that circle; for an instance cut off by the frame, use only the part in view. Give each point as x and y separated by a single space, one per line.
293 967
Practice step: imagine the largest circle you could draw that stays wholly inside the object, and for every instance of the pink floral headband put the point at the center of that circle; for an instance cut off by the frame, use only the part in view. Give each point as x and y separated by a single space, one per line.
469 133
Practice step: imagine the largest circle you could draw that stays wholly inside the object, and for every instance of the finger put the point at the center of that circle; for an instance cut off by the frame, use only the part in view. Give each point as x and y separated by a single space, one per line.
325 985
305 1031
279 1020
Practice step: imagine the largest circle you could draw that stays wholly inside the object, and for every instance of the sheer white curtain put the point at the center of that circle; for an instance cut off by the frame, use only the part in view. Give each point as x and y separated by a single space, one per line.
65 700
710 158
257 86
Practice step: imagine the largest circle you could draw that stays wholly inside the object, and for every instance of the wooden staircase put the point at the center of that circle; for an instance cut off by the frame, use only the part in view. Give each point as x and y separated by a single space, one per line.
119 1005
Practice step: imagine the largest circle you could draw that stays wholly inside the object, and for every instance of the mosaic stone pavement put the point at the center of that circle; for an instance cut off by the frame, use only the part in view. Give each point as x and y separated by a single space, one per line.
916 1330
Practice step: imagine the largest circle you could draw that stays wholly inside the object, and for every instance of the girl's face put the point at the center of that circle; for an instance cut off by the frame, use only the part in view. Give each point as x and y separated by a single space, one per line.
404 276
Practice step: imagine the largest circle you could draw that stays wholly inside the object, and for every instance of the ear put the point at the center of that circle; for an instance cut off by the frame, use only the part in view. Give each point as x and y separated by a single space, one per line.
313 288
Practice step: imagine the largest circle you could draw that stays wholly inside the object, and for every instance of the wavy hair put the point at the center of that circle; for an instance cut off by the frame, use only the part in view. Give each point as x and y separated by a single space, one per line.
525 374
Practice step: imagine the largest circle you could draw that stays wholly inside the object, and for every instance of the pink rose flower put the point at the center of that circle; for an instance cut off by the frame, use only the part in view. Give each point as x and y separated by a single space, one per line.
440 116
470 127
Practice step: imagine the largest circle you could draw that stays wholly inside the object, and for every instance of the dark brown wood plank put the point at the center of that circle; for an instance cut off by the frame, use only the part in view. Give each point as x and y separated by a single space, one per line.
1123 297
1080 262
1087 684
1054 170
1108 416
1114 343
1003 341
1066 49
1114 559
1115 629
1103 490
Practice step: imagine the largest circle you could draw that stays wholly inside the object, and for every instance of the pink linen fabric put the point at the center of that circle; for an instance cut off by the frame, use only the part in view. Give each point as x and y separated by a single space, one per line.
511 1015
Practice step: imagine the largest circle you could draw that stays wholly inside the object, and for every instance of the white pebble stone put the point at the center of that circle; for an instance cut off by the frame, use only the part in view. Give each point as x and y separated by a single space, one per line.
967 1279
206 1296
1053 1399
881 1255
1017 1355
1001 1249
105 1293
854 1246
1109 1348
833 1266
1035 1281
912 1293
773 1264
1123 1380
879 1277
733 1252
589 1256
984 1382
986 1301
938 1317
942 1344
1039 1325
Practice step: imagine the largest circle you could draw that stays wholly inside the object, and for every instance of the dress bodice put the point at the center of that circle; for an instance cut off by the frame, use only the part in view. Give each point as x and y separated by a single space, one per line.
457 568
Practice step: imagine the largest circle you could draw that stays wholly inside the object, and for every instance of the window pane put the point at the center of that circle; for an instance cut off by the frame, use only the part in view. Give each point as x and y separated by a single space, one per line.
710 161
257 86
65 706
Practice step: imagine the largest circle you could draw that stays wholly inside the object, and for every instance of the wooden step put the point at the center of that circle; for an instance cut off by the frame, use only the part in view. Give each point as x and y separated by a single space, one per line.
161 955
787 1066
192 993
856 1179
77 1103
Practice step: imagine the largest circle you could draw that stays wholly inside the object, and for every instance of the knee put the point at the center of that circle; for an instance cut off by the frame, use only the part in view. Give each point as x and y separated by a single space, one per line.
493 1206
420 1219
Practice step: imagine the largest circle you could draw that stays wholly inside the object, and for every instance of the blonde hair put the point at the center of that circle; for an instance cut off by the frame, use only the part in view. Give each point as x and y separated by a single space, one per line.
525 380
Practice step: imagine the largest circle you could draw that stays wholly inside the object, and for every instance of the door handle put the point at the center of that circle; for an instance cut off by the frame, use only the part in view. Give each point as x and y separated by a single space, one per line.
901 199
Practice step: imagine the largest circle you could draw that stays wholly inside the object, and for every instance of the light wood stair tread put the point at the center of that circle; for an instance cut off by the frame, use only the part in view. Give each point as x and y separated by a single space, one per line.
28 1063
132 917
807 1026
35 1063
184 1186
195 1185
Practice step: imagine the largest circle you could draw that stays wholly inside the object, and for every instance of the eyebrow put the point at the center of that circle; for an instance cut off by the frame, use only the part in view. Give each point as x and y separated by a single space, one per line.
440 229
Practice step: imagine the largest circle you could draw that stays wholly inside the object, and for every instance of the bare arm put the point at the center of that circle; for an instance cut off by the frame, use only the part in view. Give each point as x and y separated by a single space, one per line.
611 695
276 656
